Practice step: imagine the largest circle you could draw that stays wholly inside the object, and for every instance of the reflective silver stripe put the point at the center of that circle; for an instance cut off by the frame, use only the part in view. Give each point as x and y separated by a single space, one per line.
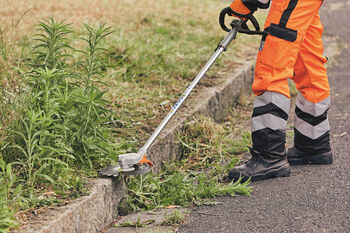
264 1
310 131
262 44
315 109
268 121
281 101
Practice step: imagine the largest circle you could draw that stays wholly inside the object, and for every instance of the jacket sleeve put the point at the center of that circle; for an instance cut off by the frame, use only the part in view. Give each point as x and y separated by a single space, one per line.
254 4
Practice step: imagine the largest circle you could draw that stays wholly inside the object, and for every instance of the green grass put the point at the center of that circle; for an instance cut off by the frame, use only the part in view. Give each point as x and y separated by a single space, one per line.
174 219
157 63
59 134
205 142
209 150
176 187
9 196
74 97
136 224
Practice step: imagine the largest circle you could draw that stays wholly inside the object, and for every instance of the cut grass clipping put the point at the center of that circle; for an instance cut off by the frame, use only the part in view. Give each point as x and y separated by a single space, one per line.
178 185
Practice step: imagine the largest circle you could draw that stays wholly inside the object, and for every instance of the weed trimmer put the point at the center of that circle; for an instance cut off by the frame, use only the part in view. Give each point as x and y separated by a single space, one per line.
137 163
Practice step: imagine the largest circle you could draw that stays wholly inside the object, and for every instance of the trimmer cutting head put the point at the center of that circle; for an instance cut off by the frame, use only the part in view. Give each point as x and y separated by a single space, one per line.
129 164
116 170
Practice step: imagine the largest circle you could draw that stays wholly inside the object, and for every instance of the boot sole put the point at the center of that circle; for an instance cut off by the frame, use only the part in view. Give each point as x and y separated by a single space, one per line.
323 159
275 173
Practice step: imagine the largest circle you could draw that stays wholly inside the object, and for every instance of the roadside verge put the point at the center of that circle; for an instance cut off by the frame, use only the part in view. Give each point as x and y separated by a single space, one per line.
97 210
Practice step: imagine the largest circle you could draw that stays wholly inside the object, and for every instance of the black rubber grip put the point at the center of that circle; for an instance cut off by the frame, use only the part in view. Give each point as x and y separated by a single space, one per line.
223 13
244 28
254 21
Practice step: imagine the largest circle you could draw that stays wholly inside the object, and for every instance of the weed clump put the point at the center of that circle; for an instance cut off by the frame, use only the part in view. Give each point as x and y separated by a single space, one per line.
173 220
205 144
175 187
60 133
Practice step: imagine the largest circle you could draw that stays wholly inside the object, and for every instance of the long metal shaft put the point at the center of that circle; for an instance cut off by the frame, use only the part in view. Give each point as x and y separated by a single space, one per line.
183 97
221 48
137 163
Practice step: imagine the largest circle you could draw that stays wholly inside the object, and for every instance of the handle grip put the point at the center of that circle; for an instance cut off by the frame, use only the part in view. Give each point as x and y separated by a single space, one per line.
242 26
222 16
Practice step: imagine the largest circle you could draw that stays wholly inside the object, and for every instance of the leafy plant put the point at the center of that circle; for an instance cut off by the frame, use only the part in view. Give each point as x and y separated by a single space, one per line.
61 132
9 196
52 49
7 221
93 64
9 180
175 187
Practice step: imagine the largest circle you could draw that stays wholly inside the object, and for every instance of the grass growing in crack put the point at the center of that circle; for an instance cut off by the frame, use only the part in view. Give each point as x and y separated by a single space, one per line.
174 219
136 224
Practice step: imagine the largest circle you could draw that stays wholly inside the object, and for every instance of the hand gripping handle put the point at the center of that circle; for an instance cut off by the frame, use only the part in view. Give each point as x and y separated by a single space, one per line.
242 27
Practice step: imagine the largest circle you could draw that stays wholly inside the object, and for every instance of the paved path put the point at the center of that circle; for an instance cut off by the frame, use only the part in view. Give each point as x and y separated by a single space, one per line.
314 198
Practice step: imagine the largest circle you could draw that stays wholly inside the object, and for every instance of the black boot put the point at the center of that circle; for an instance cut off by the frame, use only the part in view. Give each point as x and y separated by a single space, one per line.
311 133
298 157
260 167
269 121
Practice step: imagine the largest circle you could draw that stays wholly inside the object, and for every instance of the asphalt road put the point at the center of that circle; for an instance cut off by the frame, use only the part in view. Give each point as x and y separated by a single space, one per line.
314 198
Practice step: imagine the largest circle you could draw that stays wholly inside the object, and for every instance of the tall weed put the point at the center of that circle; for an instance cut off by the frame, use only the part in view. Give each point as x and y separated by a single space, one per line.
61 133
53 47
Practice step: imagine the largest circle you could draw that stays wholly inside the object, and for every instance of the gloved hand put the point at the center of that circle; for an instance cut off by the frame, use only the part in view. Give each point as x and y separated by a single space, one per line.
245 7
238 7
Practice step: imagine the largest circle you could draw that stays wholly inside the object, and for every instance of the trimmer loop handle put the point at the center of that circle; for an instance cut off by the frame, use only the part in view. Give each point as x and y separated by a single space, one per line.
240 25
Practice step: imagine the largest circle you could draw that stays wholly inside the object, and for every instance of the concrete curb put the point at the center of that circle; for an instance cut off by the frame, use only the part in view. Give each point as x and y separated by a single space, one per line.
87 214
94 212
214 102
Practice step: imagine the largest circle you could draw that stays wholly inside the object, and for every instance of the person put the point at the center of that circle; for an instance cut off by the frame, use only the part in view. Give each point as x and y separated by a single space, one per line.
293 50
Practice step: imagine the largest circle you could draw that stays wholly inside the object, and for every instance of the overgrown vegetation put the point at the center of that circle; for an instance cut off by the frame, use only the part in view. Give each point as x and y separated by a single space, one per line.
175 187
8 196
56 124
60 131
206 144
